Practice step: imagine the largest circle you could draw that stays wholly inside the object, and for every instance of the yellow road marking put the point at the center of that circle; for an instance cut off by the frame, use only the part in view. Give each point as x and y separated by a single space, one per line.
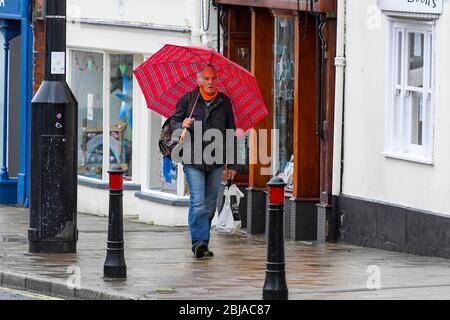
28 294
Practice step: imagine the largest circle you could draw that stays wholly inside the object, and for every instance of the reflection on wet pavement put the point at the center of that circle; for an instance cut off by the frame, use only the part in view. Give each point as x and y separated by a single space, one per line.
161 266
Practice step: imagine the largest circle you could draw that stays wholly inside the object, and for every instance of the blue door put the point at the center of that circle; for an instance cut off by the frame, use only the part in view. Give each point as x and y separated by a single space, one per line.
15 101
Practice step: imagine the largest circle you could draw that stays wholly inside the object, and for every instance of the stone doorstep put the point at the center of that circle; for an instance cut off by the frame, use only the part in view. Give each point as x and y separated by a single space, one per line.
50 287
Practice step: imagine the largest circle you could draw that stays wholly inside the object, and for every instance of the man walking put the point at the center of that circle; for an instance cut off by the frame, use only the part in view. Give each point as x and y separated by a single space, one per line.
213 110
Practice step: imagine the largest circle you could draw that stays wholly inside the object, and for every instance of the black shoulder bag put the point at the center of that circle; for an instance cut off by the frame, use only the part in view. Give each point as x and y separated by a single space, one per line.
166 141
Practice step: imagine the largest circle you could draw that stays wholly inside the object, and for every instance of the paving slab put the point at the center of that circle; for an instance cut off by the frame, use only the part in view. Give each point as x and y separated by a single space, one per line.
161 266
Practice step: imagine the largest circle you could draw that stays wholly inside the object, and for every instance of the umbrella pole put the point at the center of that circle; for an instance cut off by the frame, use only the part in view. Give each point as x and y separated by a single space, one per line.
183 134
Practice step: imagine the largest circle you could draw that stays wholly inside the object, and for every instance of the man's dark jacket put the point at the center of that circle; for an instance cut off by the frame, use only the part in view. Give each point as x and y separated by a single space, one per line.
219 115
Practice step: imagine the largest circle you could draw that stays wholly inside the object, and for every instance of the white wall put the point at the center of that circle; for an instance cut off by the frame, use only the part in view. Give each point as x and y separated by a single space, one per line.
122 40
167 13
96 201
163 215
367 172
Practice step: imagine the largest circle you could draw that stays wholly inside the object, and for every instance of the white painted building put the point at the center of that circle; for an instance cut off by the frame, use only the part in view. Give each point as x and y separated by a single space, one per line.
395 186
106 41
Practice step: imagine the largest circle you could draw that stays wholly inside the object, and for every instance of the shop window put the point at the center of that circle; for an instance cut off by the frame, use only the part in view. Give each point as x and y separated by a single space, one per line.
87 85
164 175
238 49
242 56
169 176
411 92
283 94
121 111
105 104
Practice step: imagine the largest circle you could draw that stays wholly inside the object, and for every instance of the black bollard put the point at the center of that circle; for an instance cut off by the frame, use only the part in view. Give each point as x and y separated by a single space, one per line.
115 266
275 287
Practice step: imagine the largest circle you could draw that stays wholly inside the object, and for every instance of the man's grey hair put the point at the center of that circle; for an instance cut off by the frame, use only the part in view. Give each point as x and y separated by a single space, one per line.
199 74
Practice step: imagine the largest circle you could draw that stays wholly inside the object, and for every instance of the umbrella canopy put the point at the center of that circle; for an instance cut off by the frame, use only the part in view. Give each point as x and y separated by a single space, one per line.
172 71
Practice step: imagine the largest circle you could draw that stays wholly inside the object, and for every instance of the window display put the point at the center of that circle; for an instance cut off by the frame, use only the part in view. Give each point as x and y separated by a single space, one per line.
242 56
288 174
87 86
87 78
283 92
121 111
169 176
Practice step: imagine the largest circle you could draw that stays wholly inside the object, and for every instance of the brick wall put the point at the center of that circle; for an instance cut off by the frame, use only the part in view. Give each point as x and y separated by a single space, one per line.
39 44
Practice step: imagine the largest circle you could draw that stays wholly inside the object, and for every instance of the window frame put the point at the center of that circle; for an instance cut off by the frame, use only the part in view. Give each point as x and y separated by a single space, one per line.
106 106
398 135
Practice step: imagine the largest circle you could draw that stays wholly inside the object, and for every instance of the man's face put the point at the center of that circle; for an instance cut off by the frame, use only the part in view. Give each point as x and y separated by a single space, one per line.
209 80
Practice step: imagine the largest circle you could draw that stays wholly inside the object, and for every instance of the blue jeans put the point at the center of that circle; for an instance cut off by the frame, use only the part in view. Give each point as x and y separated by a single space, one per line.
204 189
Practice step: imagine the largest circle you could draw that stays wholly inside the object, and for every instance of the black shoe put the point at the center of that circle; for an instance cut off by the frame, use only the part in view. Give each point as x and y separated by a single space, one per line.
209 254
200 249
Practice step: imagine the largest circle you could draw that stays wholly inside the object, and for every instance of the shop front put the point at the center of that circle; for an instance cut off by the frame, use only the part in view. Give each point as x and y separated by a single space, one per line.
15 97
115 127
289 46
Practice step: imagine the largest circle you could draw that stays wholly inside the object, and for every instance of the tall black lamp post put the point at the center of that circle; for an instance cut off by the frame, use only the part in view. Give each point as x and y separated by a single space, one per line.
53 205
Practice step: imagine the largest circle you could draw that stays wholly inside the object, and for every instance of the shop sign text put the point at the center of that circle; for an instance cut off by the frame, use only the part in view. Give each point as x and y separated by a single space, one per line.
413 6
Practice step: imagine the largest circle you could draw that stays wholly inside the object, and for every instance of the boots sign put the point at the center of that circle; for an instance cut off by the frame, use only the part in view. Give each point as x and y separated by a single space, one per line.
412 6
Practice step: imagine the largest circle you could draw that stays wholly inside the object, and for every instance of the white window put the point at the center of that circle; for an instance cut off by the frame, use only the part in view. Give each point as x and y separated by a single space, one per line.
410 92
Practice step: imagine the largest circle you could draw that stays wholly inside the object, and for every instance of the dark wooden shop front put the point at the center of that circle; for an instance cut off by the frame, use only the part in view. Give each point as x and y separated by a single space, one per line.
289 46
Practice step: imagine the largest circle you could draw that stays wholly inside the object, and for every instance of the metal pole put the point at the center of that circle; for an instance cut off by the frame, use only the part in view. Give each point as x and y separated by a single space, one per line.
4 171
218 28
115 266
275 287
54 126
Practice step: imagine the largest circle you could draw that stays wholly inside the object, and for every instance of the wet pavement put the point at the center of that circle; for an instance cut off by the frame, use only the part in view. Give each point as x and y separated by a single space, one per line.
161 265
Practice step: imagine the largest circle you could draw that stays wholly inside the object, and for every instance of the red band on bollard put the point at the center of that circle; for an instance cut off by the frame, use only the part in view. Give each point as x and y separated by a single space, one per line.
276 195
115 181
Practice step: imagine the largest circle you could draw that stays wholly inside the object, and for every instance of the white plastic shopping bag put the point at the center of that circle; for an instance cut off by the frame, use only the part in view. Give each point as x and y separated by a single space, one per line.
225 222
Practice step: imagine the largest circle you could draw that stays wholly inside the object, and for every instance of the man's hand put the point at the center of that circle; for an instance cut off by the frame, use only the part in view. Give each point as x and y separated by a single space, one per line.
187 123
231 174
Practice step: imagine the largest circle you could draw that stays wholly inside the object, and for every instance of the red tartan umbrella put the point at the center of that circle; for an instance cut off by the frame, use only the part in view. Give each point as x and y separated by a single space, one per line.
172 71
